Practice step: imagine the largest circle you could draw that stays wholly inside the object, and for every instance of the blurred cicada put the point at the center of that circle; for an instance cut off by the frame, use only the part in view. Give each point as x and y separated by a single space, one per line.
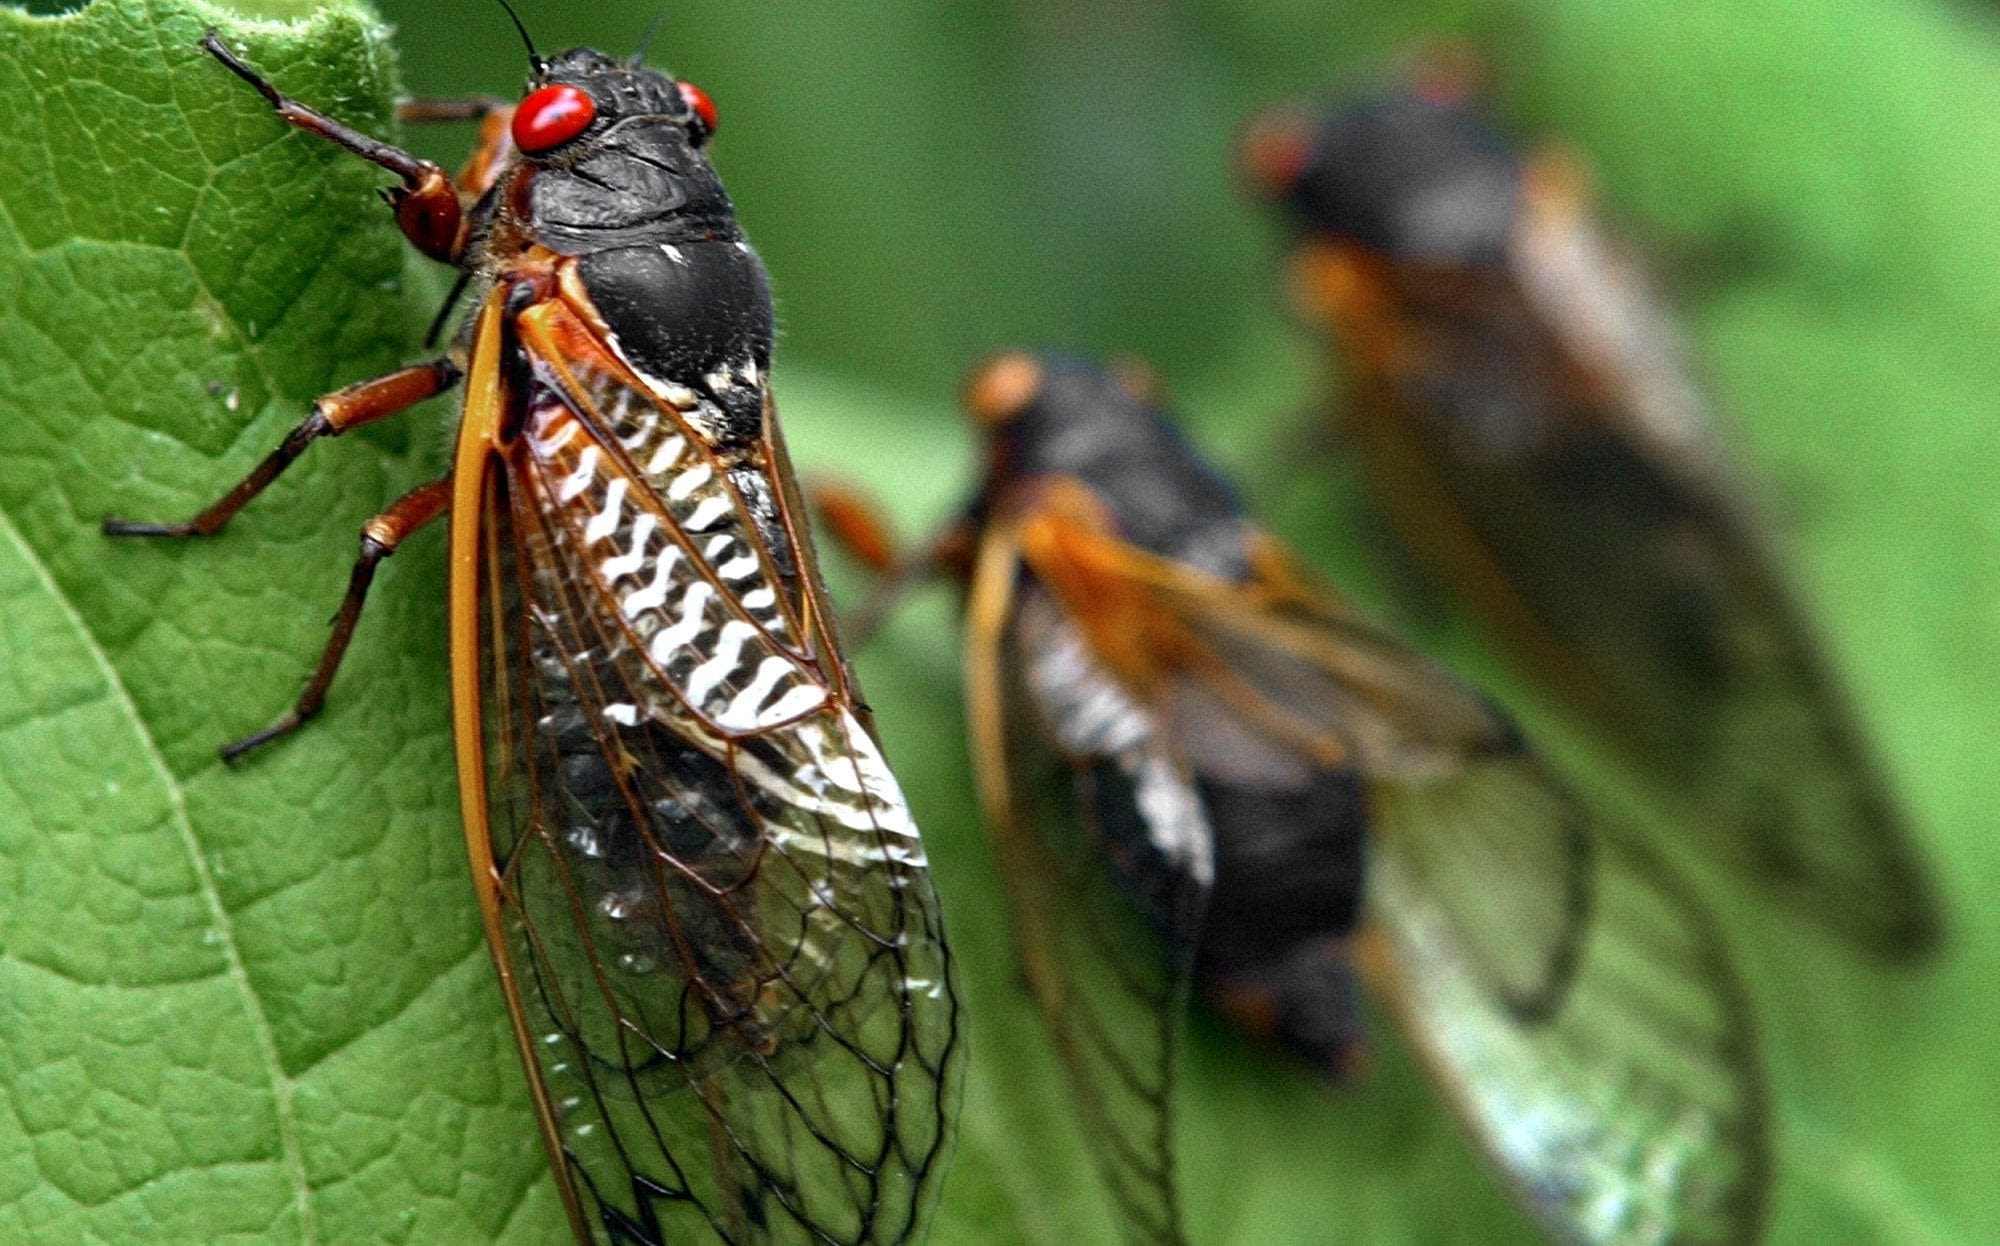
1201 773
710 910
1527 421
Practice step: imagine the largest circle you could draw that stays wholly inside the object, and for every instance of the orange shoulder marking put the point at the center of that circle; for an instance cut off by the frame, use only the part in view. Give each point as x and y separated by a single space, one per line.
1066 540
1349 292
478 448
561 333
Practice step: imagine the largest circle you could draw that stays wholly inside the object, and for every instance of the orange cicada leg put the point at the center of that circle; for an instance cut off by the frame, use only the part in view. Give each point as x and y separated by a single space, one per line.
481 170
454 108
496 140
358 404
856 523
337 412
379 539
427 204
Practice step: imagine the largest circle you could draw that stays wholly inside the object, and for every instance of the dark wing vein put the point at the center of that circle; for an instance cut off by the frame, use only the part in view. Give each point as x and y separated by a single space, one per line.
1573 997
1570 459
1106 857
738 979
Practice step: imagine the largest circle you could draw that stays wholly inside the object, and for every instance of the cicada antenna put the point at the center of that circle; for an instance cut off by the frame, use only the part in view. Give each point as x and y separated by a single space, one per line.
646 40
534 57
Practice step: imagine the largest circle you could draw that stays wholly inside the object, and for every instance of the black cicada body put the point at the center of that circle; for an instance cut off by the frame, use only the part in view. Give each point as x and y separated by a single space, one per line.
708 905
1528 422
1202 774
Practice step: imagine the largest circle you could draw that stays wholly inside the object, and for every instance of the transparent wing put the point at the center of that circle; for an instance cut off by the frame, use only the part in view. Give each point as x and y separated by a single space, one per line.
1536 437
1633 1110
1573 999
720 927
1106 855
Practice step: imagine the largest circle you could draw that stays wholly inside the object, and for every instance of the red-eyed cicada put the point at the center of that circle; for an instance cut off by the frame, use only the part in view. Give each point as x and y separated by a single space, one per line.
710 911
1527 421
1202 774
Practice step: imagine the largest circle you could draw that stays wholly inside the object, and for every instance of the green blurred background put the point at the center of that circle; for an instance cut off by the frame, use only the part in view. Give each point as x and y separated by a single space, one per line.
1819 182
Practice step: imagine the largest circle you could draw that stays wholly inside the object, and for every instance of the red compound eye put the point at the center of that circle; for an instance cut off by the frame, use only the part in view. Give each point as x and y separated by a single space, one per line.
704 107
552 116
1276 150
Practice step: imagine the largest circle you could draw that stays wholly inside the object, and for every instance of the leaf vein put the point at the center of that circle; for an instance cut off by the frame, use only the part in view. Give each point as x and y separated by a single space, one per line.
293 1157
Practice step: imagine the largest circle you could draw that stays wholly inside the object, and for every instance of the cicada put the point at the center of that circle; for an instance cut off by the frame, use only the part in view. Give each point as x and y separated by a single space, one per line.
710 910
1204 774
1529 424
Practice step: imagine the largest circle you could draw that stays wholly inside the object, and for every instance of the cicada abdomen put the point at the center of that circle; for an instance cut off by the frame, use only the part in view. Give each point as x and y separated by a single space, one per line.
1203 775
709 907
1529 424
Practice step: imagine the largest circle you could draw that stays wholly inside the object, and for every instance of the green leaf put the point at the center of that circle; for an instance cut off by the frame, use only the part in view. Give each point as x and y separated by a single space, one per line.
249 1005
254 1004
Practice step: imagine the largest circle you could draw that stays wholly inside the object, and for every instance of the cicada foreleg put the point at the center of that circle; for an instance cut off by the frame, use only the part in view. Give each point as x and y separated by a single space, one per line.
856 523
496 141
453 108
379 539
358 404
481 170
428 209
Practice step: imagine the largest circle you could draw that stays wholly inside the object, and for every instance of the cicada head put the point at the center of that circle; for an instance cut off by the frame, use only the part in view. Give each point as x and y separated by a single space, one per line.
611 149
1050 414
1053 417
1414 175
582 92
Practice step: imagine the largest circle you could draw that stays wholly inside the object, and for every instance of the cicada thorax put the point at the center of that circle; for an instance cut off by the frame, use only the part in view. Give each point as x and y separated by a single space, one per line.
1275 836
